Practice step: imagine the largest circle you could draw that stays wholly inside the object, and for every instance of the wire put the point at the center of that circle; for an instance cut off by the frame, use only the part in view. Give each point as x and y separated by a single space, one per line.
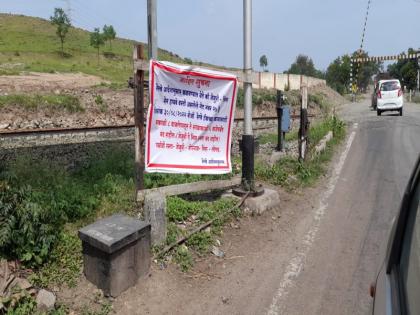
359 52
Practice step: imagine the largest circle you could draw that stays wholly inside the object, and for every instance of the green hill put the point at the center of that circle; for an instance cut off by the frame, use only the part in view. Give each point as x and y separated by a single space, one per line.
30 44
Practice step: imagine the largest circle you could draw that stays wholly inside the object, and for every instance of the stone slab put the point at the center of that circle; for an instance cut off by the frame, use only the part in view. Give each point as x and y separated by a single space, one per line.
112 233
258 205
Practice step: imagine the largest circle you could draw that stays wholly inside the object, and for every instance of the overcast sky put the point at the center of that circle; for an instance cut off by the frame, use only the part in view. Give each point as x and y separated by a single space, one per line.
211 30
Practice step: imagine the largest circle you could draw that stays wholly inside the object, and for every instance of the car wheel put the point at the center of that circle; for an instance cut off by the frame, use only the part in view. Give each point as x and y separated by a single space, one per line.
401 111
378 112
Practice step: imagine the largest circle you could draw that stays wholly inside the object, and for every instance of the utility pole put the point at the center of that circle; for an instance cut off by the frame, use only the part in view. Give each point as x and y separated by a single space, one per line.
248 136
152 29
247 144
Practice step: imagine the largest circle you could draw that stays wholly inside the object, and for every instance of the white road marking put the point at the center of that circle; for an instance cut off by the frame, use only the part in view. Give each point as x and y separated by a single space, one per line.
295 265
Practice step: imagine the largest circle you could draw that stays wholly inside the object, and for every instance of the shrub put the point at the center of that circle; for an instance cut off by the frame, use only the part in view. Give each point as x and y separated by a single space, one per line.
27 229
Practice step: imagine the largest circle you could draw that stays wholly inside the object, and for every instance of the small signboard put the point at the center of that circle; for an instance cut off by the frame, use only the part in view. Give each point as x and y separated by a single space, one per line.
190 120
285 118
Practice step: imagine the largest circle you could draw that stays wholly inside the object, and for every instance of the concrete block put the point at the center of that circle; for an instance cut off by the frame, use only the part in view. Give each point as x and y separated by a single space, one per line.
155 213
269 200
116 252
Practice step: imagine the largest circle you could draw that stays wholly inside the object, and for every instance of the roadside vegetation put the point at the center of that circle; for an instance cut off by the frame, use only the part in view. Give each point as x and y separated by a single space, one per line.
69 103
291 173
416 99
32 44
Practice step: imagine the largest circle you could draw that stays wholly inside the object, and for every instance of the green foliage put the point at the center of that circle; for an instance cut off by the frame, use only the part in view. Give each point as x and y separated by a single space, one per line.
154 180
416 99
201 242
338 72
180 210
99 100
188 61
272 137
291 173
97 40
405 71
68 102
37 198
183 258
35 41
259 96
305 66
263 62
62 22
27 229
27 306
320 100
109 34
64 264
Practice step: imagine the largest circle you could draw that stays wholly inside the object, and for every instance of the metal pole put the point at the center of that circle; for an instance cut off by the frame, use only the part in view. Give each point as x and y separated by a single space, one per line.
248 137
247 143
152 29
248 67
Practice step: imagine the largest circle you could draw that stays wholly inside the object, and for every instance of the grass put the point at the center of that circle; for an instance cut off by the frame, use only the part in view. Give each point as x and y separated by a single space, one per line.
75 198
180 210
68 102
32 41
259 96
64 266
320 100
416 99
32 44
291 173
272 137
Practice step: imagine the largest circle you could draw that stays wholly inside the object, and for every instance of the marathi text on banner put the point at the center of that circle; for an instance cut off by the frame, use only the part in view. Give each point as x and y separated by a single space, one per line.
190 119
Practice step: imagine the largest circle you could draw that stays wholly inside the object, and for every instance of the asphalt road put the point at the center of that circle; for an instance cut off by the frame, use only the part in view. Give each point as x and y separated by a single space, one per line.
349 245
318 251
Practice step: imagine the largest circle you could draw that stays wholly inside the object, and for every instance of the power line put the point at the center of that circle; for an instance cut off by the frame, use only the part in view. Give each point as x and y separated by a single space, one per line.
359 52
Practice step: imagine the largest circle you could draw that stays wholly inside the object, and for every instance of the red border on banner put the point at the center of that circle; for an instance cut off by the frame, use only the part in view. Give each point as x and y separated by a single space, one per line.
149 125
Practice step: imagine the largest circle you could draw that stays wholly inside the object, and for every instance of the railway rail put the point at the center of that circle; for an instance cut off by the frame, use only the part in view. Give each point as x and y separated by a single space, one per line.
13 139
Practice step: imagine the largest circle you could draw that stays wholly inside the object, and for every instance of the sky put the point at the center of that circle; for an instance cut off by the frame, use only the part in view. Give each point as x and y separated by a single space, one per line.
212 30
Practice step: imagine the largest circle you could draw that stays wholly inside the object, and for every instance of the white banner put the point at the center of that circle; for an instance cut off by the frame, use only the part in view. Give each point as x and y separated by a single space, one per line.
190 119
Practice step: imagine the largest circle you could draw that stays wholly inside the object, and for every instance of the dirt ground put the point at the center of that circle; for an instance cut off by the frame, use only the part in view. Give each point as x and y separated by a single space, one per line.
116 107
248 244
34 81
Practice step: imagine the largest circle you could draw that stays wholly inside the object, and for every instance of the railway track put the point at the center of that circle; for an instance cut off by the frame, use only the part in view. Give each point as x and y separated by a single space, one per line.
12 139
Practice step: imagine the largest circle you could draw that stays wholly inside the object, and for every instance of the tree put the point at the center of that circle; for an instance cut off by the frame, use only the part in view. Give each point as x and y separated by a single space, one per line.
405 70
97 40
109 34
263 62
62 21
303 65
338 72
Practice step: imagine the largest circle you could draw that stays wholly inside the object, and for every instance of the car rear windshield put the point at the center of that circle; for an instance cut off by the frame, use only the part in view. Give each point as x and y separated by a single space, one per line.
390 86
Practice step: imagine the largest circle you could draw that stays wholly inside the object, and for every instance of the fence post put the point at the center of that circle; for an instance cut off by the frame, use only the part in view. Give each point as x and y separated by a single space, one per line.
139 120
304 123
279 104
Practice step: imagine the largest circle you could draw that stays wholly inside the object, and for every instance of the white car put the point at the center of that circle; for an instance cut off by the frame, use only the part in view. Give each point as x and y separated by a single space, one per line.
389 97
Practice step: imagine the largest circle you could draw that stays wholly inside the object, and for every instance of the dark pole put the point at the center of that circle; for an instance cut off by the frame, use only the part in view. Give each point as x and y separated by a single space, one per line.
279 120
139 120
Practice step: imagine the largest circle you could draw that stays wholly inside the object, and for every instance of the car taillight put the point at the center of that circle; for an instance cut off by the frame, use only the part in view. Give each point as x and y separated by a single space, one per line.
399 92
379 94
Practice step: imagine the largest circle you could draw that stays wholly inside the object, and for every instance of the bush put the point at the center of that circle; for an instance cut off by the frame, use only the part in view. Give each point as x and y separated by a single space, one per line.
27 229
